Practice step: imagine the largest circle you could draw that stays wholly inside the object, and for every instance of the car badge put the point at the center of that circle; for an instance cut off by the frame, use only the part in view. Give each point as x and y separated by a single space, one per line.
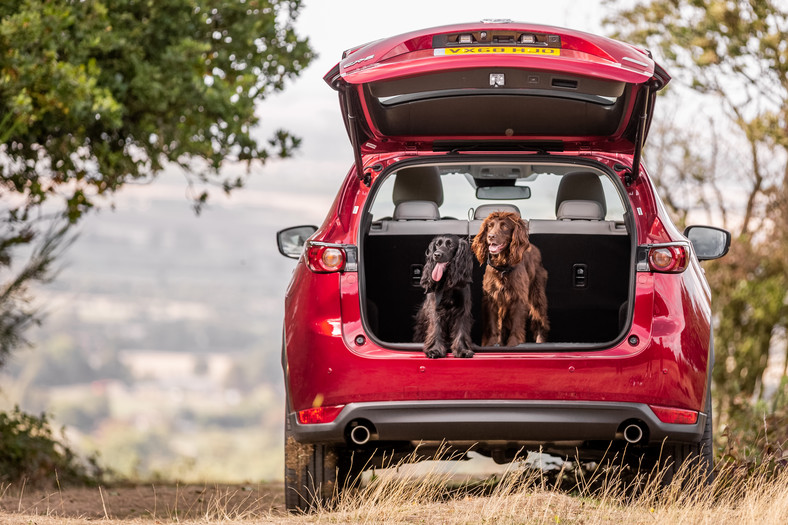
497 79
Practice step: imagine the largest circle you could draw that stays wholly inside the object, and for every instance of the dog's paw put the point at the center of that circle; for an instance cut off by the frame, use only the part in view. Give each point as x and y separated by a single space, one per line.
435 353
462 352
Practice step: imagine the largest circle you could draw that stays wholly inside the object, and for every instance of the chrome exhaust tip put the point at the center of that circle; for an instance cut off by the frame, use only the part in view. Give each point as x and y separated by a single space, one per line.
360 434
633 433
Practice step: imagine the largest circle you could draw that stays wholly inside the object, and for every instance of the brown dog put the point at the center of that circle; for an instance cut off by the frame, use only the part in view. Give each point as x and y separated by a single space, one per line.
514 281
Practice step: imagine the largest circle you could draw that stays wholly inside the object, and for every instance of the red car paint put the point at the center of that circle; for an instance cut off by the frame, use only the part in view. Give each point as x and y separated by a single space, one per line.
332 360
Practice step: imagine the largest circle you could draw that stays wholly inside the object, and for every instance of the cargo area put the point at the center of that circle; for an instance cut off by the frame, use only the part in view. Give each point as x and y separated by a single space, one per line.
586 249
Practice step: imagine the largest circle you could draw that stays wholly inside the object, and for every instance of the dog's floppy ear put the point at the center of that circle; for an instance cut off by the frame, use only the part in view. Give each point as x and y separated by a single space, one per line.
479 245
461 266
519 242
426 281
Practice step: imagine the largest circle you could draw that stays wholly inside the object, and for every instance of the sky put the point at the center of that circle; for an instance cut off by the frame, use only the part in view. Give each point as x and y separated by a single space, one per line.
309 108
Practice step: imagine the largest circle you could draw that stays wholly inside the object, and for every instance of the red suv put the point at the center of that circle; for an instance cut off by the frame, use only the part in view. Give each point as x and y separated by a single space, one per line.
451 123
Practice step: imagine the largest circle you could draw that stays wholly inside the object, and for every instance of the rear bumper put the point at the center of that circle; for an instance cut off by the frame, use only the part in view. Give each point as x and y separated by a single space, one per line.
486 421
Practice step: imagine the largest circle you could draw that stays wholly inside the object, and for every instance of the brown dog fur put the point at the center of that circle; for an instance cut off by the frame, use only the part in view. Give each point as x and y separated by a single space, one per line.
514 283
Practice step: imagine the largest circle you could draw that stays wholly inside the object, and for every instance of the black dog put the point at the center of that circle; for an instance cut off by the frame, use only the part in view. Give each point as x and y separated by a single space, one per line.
445 314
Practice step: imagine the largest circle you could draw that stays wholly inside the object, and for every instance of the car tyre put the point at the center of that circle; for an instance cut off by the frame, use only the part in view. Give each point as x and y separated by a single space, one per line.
699 457
316 475
310 474
694 460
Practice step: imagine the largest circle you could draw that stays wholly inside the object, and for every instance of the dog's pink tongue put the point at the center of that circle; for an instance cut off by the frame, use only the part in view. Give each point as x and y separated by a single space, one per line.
495 248
437 272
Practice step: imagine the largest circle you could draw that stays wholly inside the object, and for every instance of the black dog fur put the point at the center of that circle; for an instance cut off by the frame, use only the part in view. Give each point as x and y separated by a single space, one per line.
445 316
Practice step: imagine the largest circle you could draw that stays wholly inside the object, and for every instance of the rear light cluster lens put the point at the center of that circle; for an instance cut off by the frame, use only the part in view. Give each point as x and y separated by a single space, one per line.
322 258
671 258
676 416
317 415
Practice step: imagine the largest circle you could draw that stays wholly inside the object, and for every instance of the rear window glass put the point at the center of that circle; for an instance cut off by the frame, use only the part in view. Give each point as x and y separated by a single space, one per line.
459 185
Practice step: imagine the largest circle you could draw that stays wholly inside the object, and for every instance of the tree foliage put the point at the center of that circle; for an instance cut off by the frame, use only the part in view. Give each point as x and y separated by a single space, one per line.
734 52
16 310
32 452
97 94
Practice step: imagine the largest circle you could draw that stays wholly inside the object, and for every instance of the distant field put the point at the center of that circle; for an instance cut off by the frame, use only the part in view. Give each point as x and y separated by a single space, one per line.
160 343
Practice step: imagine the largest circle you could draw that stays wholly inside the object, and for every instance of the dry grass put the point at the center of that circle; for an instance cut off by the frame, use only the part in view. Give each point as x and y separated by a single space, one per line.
529 496
121 504
521 496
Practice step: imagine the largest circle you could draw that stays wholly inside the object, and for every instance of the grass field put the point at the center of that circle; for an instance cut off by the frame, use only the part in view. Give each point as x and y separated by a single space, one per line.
520 496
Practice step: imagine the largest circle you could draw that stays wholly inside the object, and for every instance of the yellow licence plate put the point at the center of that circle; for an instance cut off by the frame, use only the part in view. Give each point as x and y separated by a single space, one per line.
504 50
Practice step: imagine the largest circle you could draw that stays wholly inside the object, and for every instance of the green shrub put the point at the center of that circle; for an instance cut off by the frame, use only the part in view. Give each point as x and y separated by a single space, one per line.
30 452
756 442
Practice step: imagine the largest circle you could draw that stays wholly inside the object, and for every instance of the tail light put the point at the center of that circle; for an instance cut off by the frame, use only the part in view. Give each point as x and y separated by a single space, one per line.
324 257
677 416
664 258
317 415
671 258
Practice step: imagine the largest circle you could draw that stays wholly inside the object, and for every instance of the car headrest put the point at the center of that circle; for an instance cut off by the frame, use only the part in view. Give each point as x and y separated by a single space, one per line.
581 185
481 212
419 183
580 210
416 210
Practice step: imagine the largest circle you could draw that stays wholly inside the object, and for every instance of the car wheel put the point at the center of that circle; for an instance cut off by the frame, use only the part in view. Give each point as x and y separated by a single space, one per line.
699 457
310 474
316 474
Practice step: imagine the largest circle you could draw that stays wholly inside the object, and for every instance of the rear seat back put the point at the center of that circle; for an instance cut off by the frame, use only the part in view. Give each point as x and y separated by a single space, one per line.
588 265
587 261
394 253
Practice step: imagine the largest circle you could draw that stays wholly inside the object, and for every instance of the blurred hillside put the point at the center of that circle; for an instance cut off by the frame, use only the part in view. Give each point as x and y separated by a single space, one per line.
161 340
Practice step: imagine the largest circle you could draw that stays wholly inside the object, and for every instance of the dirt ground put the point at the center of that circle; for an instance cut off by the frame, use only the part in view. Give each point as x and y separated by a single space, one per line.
160 503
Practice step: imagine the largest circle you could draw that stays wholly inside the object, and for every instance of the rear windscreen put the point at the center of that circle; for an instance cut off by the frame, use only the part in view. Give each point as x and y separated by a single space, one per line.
459 185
